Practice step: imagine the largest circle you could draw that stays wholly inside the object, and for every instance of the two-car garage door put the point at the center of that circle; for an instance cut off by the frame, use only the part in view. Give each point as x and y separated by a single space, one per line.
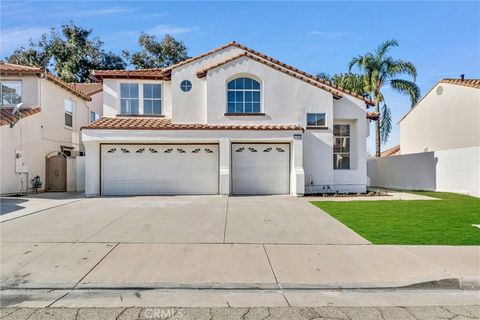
130 169
159 169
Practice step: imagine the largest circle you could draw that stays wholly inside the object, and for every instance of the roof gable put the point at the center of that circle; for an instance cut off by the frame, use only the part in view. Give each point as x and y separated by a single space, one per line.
17 69
471 83
165 74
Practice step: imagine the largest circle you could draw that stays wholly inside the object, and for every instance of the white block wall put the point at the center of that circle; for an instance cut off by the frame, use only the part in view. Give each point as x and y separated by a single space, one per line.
452 170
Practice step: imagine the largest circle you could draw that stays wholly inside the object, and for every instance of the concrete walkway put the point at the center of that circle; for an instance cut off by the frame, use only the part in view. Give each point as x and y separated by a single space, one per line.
15 207
392 195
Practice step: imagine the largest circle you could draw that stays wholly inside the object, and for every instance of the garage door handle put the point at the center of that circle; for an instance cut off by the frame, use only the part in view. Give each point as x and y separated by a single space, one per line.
56 173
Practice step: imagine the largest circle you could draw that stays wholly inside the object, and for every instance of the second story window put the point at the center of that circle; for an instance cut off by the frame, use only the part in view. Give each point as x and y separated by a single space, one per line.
341 146
316 120
152 99
69 107
11 92
129 98
243 96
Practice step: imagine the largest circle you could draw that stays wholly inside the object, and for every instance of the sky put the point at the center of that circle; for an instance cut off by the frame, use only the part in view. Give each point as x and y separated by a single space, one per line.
441 38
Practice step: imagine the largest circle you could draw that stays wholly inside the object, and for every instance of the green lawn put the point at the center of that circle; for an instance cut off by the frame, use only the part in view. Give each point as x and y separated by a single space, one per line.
444 222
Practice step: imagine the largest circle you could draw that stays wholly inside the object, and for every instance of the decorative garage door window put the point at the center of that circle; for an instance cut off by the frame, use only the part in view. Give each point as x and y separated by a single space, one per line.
141 169
137 150
267 149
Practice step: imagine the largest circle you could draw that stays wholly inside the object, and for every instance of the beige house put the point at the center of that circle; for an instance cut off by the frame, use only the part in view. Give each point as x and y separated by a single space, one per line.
40 123
229 121
448 117
439 143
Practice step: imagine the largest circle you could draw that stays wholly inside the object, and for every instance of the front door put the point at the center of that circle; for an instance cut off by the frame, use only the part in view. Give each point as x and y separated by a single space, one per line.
56 173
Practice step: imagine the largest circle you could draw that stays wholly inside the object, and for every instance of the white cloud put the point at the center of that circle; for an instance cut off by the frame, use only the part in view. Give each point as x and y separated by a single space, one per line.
328 34
105 11
13 38
170 29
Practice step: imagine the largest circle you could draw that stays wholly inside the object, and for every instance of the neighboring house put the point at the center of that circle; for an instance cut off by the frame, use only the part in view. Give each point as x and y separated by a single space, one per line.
448 117
439 142
43 138
229 121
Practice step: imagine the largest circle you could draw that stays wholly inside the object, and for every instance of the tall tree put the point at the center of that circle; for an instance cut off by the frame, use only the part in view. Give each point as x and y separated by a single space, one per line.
71 54
379 70
155 54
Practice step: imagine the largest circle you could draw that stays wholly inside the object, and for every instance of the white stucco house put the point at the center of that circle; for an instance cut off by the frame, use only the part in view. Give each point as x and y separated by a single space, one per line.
229 121
448 117
43 138
439 142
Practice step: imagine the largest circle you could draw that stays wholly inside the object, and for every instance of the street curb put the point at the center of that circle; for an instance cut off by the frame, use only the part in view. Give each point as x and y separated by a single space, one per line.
442 284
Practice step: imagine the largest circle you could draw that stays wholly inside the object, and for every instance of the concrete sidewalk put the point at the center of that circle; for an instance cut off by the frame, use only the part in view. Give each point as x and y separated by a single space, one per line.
392 195
235 266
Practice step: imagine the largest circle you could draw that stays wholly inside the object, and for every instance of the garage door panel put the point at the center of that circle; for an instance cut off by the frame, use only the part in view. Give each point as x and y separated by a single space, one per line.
260 168
155 169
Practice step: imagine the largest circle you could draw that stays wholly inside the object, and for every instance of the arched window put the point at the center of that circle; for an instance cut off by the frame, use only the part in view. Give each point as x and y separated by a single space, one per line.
243 96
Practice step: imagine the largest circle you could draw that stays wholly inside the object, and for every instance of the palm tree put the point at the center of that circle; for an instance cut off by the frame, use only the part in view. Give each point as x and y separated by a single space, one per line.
378 70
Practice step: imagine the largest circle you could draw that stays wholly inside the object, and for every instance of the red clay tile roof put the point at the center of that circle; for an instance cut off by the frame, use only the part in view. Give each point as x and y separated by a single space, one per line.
373 115
88 88
6 116
9 68
153 123
154 73
473 83
67 86
165 74
390 151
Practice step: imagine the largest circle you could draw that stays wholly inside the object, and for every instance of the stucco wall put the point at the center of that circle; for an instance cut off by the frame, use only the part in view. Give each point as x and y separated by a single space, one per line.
96 105
40 134
442 121
452 170
111 95
191 107
30 89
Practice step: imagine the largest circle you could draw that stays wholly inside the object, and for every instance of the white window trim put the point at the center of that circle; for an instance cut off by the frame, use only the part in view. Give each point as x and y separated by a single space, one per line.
152 99
349 137
244 75
315 127
140 95
73 114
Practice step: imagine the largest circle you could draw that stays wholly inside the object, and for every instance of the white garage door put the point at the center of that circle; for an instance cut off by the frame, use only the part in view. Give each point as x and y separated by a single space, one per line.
260 168
159 169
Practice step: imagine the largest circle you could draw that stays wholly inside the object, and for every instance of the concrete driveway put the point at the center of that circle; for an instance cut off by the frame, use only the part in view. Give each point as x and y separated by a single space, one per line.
182 219
209 242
